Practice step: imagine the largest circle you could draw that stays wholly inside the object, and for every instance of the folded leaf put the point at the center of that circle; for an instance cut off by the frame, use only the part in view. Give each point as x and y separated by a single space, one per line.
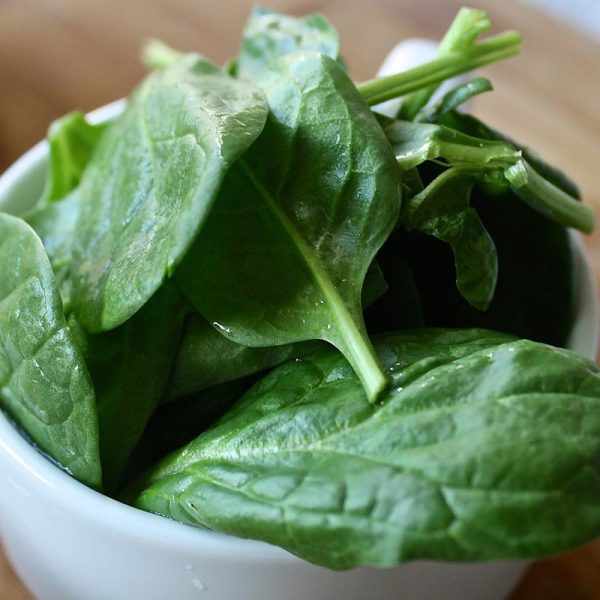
442 210
44 383
152 182
486 448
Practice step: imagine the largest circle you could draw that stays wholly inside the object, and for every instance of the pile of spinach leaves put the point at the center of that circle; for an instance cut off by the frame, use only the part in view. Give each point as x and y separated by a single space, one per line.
254 304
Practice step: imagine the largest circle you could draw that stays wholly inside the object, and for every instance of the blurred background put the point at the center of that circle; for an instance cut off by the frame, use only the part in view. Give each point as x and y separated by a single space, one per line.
61 55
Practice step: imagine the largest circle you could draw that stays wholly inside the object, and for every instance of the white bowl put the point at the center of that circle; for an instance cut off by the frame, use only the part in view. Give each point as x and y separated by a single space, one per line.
68 542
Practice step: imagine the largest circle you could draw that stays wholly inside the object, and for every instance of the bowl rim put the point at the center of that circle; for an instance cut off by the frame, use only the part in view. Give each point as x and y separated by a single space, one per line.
123 518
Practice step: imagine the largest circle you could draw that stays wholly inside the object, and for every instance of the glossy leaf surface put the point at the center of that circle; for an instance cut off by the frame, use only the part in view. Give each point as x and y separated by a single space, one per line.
44 383
322 187
487 447
152 182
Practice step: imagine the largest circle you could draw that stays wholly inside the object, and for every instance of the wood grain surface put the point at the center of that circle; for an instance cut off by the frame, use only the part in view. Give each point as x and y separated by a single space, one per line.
60 55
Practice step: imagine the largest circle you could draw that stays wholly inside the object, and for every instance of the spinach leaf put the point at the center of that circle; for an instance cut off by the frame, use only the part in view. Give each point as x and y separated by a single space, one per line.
484 445
44 383
442 209
207 358
534 291
131 367
152 181
72 142
55 224
322 187
269 35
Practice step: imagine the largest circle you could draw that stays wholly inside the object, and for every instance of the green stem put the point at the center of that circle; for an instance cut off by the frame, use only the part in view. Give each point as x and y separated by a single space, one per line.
439 69
542 195
466 27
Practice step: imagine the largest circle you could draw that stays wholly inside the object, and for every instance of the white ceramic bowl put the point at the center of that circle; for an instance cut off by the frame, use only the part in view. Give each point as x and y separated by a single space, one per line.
68 542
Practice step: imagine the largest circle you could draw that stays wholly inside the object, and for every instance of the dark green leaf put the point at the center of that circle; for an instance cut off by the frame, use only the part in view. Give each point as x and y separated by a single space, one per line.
131 367
44 383
151 184
207 358
299 219
72 142
486 448
269 35
442 210
534 292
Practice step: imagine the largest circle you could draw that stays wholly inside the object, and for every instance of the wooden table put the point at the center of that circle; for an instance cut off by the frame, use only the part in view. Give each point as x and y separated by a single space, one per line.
58 56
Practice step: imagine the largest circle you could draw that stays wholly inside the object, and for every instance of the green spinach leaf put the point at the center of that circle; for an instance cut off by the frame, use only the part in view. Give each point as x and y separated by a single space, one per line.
72 143
152 182
44 383
131 367
483 446
55 224
269 35
322 187
207 358
443 210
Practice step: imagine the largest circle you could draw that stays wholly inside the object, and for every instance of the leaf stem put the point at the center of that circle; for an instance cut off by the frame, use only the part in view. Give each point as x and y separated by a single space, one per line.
542 195
468 24
435 71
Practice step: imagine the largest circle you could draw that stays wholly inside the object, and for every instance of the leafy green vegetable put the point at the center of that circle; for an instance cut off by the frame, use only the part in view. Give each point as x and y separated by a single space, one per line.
234 219
55 224
321 186
484 445
442 209
152 181
131 367
44 383
72 142
534 291
207 358
269 35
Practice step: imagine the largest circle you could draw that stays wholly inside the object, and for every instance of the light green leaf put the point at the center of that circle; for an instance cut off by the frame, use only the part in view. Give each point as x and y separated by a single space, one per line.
72 143
269 35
